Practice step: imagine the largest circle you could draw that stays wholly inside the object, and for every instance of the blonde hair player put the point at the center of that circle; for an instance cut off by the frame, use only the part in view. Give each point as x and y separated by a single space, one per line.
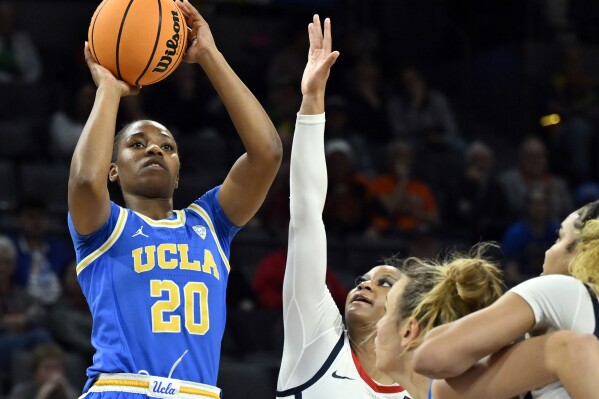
430 294
554 301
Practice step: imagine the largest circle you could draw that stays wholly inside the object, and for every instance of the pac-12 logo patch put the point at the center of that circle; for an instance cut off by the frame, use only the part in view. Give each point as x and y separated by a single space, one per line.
200 230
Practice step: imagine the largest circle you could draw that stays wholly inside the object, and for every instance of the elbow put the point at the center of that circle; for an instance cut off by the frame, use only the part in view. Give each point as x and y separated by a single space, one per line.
275 150
270 156
265 153
425 362
86 183
433 362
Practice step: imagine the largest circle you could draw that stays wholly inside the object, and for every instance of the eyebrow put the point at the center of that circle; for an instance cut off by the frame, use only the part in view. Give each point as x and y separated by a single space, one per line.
137 134
391 277
134 135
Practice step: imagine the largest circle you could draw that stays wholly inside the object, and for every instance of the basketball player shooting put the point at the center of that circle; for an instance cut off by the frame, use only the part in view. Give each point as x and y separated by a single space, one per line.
154 277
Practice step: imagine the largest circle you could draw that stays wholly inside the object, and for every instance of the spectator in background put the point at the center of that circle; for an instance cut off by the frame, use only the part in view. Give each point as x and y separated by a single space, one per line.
286 65
41 258
531 173
21 318
476 207
273 216
242 305
191 91
282 74
422 115
282 104
67 124
367 100
525 241
268 281
347 209
19 59
49 380
70 320
241 296
407 206
339 127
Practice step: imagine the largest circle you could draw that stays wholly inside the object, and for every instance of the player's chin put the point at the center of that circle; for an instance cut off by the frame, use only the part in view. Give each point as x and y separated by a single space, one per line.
359 311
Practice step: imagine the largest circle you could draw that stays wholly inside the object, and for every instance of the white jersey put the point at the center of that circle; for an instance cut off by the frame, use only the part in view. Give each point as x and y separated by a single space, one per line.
558 303
342 376
317 358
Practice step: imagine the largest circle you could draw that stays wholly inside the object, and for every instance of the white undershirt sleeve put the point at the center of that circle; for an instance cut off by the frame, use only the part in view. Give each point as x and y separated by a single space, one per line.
312 321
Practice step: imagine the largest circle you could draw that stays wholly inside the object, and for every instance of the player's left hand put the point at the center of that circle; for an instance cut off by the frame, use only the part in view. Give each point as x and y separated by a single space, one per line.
320 58
200 37
103 76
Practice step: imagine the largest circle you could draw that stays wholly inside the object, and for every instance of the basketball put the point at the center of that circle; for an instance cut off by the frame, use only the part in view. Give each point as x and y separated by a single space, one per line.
141 42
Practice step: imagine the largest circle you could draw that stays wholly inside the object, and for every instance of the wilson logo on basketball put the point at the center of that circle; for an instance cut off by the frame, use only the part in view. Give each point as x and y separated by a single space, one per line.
171 44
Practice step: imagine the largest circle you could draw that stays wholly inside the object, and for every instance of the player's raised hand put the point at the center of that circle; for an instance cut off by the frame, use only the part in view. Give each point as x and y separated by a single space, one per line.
200 37
102 75
320 58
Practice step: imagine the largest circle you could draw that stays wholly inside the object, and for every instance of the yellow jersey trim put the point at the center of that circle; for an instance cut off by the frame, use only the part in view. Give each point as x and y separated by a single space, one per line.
195 391
116 233
145 385
122 383
204 215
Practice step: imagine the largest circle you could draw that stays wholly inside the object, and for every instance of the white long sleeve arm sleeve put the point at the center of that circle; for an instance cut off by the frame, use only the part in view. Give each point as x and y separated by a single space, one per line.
311 318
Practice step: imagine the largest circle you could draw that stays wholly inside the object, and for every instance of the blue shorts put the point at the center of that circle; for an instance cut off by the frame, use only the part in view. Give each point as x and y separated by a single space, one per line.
141 386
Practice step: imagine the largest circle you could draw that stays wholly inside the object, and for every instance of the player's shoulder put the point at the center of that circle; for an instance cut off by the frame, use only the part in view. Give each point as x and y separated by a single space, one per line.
549 283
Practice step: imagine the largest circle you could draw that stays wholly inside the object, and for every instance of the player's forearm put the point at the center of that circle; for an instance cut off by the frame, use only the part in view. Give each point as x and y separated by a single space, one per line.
308 187
308 183
574 359
258 134
307 260
92 156
473 337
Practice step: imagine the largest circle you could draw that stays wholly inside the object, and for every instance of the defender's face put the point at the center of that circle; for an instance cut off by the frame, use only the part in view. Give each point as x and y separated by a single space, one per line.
387 343
148 161
559 255
365 304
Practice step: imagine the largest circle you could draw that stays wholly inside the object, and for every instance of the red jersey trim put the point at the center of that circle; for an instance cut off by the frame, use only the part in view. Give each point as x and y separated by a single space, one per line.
371 383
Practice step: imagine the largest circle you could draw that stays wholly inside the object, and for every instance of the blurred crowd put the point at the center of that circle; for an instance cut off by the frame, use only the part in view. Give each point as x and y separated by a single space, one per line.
407 172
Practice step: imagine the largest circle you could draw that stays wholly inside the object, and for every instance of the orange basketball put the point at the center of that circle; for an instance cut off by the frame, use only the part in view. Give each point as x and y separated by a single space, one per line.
140 41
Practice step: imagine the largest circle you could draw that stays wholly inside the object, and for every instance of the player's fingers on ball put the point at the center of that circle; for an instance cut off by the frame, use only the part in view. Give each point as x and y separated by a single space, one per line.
89 58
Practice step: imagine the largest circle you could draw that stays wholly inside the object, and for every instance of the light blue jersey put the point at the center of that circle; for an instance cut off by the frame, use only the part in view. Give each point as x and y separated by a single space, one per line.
157 289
